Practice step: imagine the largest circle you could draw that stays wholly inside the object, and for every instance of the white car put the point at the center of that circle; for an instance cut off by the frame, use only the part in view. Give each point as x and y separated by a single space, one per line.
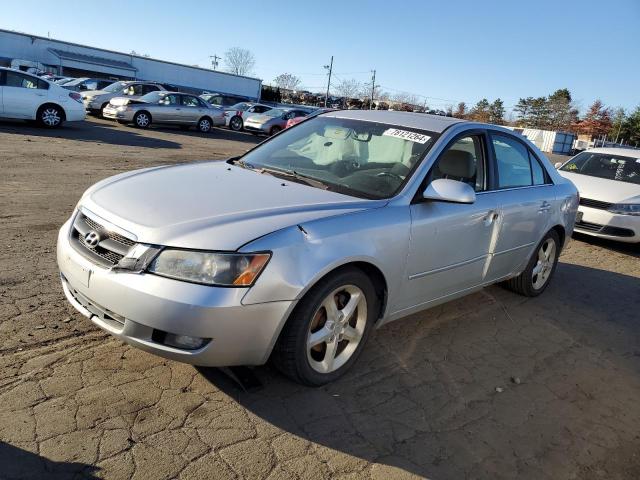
95 101
234 115
27 97
608 180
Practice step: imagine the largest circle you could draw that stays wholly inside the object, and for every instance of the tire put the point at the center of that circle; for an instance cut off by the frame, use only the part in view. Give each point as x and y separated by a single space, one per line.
236 124
274 130
104 105
50 116
536 277
344 334
204 125
142 119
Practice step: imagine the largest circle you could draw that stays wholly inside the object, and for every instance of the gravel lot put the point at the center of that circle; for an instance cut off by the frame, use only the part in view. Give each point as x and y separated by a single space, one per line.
490 386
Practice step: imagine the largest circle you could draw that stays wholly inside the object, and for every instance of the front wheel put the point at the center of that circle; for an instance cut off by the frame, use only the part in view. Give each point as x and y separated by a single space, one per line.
328 329
50 116
204 125
274 130
142 120
535 278
236 123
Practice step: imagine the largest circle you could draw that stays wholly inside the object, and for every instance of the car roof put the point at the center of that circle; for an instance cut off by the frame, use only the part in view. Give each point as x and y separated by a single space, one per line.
423 121
629 152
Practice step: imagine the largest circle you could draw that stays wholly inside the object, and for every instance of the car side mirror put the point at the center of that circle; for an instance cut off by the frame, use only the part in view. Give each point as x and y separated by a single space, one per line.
447 190
558 165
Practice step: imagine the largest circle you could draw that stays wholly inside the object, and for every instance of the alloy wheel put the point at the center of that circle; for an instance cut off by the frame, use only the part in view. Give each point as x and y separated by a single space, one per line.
51 117
142 120
236 123
336 329
204 125
544 265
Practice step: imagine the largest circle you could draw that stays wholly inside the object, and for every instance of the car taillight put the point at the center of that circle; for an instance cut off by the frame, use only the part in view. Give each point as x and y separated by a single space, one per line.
76 96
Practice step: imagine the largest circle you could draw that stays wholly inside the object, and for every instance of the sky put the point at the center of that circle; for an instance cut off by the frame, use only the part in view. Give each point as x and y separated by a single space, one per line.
444 51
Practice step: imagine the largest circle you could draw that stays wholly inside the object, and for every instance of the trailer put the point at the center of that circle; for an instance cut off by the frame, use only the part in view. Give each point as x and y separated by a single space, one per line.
547 140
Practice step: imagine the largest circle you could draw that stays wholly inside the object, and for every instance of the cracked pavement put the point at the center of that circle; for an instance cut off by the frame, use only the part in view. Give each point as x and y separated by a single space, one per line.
489 386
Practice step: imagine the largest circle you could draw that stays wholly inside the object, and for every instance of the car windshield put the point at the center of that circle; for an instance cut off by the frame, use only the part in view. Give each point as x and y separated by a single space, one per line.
212 99
115 87
605 165
362 159
242 106
275 112
151 97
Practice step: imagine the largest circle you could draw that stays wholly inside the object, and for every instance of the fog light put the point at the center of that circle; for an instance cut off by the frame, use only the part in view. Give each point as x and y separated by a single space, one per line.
184 341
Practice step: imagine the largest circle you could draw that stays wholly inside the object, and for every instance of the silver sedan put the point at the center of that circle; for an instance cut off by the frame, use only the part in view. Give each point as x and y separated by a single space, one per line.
169 108
297 250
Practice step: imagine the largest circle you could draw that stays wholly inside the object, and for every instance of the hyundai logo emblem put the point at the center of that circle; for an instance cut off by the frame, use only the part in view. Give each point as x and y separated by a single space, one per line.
92 239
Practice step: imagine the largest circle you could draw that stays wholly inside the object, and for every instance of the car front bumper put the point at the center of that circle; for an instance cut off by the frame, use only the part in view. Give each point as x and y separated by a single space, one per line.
257 127
136 307
115 114
604 224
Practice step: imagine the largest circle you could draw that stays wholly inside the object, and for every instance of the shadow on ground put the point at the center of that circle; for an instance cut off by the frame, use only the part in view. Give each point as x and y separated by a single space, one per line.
19 464
493 385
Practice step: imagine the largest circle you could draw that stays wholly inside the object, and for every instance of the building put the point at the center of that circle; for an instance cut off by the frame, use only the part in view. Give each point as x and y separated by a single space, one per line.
34 53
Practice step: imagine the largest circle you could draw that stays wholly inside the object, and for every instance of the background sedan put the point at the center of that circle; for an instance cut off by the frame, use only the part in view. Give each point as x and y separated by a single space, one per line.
234 115
273 121
171 108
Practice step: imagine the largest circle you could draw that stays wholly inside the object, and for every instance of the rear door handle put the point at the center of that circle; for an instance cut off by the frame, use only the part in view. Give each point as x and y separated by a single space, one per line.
545 207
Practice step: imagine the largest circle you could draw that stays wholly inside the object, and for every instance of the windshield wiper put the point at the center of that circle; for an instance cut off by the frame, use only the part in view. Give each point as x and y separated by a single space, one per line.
311 181
241 163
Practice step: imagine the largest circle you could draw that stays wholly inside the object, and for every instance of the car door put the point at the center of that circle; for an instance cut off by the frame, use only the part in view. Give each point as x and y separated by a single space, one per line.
168 109
526 201
22 95
451 243
191 111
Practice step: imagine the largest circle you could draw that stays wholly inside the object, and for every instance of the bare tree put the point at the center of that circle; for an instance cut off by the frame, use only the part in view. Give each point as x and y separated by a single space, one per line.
239 61
287 81
348 88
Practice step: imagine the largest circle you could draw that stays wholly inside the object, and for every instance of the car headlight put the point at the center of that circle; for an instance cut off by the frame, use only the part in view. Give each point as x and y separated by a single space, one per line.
210 268
625 208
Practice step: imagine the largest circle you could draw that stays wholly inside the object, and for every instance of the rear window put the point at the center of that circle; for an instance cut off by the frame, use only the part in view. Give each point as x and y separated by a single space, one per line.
603 165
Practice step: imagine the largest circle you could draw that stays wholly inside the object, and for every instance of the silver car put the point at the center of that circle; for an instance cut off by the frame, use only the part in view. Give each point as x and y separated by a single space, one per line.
298 249
96 100
169 108
272 121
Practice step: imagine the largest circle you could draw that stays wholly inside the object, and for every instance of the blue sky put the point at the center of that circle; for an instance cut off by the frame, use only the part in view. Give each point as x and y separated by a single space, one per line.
447 51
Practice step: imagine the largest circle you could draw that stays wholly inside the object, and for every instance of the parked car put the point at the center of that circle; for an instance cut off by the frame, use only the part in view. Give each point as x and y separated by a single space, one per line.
295 120
298 249
168 108
96 100
223 99
85 83
234 114
28 97
608 180
272 121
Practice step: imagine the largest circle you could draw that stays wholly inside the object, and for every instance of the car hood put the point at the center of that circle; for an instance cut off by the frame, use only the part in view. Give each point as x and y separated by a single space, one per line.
210 205
118 101
94 93
610 191
260 119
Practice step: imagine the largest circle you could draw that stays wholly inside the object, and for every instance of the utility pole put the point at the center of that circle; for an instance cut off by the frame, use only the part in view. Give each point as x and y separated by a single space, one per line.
330 68
214 61
373 88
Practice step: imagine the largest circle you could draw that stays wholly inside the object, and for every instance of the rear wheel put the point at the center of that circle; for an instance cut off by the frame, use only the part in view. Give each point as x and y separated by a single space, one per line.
236 123
104 105
50 116
142 120
535 278
328 329
274 130
204 125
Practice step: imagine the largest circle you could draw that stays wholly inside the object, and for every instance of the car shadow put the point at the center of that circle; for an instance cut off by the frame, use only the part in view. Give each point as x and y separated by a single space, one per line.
632 249
491 385
16 463
88 131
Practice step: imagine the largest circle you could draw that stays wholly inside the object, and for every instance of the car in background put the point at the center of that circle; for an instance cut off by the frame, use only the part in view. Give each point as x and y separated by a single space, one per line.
28 97
235 114
272 121
168 108
299 249
608 180
222 99
95 101
86 83
294 121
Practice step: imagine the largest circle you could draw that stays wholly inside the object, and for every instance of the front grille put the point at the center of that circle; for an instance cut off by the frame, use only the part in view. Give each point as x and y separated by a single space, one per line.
605 229
588 202
591 227
111 248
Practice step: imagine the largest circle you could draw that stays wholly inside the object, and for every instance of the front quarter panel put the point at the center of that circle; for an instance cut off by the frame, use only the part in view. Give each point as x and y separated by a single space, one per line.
304 254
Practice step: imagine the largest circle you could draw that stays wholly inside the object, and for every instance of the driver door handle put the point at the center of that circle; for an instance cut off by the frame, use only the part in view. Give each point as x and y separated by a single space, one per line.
491 217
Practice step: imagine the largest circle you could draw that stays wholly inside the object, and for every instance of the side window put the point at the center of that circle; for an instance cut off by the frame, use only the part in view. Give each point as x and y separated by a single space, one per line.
189 101
512 158
260 109
144 89
42 85
19 80
91 85
170 100
537 171
464 161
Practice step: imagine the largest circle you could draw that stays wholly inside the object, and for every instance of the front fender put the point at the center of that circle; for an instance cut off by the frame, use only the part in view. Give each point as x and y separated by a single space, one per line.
303 254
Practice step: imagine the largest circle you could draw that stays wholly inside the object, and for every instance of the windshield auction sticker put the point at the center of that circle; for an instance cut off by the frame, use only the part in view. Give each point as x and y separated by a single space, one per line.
406 135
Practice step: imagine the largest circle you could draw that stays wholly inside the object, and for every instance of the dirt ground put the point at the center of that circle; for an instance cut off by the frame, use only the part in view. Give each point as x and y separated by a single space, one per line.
490 386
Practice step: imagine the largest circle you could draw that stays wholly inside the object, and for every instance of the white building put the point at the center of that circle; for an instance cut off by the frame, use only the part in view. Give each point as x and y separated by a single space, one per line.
24 51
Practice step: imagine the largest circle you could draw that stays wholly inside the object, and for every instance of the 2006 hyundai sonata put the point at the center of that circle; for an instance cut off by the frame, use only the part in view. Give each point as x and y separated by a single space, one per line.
298 249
